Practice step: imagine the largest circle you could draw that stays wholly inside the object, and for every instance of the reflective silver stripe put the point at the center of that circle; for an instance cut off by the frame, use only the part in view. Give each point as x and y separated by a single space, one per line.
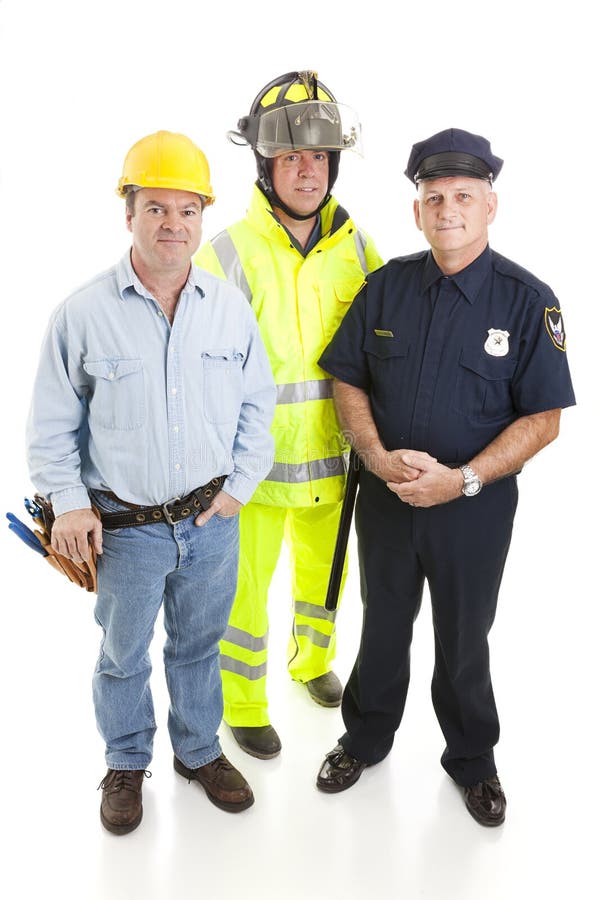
231 263
245 640
314 611
252 673
298 473
299 391
360 242
315 637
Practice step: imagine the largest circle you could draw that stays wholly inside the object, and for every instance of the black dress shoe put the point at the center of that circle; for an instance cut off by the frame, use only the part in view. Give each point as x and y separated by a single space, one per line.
261 741
339 771
486 802
326 690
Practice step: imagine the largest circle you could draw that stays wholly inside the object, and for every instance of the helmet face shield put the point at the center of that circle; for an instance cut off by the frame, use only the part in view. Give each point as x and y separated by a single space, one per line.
311 124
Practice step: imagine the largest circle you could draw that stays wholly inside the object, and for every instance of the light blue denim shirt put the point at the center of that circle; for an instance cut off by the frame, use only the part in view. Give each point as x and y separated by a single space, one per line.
124 401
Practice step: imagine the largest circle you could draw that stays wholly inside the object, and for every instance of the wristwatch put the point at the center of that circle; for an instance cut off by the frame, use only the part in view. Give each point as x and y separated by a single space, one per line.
472 483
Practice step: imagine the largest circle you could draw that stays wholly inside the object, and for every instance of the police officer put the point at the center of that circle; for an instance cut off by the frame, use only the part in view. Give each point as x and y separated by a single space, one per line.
300 259
451 373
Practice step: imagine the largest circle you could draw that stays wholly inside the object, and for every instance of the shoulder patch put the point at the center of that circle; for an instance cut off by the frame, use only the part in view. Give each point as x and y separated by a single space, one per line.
555 327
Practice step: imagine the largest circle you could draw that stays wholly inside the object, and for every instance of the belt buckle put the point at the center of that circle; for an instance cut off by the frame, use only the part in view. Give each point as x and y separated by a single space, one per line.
166 513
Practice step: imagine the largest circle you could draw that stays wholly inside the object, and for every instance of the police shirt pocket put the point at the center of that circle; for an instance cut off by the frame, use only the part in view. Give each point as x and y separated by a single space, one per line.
223 385
483 385
117 398
385 347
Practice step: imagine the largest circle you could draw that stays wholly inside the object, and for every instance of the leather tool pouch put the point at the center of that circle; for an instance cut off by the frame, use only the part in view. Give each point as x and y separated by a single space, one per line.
82 574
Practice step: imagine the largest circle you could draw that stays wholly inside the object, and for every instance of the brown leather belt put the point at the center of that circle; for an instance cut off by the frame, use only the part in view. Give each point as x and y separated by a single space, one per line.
172 511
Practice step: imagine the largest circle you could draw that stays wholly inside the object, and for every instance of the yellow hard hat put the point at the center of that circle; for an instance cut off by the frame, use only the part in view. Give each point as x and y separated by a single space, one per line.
167 160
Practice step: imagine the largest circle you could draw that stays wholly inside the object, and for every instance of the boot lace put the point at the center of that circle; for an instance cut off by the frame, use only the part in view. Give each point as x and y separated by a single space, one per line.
221 763
122 780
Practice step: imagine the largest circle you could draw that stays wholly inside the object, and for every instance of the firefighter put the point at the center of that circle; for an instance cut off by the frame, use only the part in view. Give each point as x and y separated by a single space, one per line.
300 260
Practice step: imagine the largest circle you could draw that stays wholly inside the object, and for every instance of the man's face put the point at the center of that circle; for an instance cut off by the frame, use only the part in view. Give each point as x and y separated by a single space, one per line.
300 179
454 213
166 228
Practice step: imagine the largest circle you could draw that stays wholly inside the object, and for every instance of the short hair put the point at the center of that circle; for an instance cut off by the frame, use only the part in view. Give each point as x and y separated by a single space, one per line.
130 200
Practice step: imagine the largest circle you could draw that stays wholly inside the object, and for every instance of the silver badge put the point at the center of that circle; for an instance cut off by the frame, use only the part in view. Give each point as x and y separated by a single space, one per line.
497 342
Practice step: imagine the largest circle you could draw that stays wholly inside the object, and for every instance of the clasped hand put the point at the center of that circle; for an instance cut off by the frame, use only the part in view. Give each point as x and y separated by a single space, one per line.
419 479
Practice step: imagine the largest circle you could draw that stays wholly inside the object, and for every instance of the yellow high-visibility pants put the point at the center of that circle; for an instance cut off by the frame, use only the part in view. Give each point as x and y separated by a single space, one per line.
310 534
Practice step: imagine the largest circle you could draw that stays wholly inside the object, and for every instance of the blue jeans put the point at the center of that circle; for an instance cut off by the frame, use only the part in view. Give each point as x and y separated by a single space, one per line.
192 573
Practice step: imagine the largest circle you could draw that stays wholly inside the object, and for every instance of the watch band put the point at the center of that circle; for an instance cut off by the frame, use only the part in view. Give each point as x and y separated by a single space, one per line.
472 482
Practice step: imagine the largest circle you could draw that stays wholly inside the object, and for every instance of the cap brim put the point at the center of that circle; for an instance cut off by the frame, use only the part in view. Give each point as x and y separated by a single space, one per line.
444 165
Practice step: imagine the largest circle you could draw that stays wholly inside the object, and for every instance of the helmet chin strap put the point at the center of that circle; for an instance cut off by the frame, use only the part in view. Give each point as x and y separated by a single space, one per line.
266 185
276 201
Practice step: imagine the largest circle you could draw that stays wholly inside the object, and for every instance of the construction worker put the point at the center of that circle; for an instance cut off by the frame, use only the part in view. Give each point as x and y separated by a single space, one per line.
153 402
300 259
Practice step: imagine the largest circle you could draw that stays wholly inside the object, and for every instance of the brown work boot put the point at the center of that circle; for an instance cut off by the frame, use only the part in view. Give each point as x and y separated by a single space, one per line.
121 807
224 785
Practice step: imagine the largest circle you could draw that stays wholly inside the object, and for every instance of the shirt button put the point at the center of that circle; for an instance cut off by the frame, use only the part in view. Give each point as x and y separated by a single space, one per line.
177 467
159 312
173 391
175 427
111 376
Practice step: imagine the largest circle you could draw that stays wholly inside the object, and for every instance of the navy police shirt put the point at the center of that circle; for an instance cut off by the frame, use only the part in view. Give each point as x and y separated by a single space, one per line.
450 361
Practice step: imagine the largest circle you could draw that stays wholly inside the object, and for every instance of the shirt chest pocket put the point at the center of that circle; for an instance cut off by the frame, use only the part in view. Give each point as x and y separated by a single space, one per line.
117 398
223 385
386 357
483 385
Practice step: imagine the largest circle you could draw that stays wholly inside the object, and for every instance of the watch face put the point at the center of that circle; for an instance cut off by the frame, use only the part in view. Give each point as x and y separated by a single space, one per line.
471 488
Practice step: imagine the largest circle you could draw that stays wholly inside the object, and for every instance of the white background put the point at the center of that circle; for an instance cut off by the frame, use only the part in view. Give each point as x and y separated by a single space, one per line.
80 83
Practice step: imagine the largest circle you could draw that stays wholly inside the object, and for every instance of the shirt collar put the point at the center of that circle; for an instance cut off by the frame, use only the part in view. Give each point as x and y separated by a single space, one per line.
469 280
128 282
315 236
313 239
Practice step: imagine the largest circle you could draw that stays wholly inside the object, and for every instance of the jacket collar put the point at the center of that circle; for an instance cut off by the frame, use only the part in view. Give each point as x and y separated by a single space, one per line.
260 214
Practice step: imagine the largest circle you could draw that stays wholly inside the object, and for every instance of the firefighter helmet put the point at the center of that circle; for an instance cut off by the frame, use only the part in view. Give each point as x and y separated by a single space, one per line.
297 112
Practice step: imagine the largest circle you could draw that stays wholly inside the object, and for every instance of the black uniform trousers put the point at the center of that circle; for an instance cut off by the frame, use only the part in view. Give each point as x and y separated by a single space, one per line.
460 548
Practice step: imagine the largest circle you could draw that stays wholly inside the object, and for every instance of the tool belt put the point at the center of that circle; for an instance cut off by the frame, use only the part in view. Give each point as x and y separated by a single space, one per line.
172 511
40 509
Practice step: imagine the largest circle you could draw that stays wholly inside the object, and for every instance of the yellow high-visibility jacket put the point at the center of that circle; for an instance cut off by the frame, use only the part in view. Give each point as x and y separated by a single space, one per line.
299 303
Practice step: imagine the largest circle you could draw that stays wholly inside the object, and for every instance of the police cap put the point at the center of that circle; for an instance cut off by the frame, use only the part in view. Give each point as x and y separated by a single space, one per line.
453 152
